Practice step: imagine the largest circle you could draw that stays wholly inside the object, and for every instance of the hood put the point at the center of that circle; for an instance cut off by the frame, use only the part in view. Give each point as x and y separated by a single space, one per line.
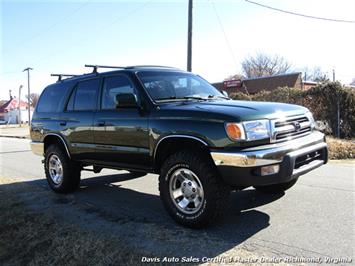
236 111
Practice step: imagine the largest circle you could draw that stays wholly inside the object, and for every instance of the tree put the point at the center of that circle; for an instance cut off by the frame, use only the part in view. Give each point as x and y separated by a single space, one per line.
235 76
33 99
316 74
2 102
263 65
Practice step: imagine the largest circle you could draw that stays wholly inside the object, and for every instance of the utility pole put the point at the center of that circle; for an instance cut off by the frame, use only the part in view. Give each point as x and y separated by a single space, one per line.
338 108
189 38
29 93
19 105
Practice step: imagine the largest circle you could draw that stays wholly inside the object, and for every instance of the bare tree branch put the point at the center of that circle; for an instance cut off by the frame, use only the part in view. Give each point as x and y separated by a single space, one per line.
263 65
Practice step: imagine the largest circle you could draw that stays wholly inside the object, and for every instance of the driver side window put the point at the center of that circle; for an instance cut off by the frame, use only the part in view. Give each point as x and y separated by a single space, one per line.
112 87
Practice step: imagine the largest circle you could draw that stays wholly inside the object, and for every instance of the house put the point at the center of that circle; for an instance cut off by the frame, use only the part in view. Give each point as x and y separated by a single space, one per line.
309 84
10 111
255 85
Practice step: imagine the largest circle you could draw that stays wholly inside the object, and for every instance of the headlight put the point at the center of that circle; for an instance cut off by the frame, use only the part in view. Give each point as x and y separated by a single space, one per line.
311 119
249 130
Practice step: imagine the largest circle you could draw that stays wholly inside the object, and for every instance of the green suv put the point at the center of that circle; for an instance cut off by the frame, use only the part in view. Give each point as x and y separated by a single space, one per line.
173 123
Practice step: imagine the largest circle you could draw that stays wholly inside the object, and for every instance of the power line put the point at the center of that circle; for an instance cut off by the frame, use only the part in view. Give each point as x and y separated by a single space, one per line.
299 14
99 30
224 33
63 20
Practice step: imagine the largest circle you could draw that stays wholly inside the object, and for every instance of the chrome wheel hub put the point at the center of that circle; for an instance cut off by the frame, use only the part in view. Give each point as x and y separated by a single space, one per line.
55 169
186 191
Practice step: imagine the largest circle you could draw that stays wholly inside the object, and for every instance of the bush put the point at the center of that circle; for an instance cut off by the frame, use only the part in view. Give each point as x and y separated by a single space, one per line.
321 100
341 149
240 96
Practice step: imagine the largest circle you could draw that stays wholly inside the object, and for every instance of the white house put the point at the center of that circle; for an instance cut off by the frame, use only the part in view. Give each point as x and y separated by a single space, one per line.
11 110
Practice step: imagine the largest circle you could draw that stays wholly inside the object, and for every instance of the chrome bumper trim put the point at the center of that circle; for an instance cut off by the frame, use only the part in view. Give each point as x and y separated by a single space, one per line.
269 154
37 148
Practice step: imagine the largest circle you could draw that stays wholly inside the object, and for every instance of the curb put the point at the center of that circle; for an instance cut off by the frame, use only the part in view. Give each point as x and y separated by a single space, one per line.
14 137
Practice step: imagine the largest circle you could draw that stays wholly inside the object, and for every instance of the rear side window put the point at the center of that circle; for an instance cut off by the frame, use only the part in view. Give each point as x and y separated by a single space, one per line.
52 98
84 97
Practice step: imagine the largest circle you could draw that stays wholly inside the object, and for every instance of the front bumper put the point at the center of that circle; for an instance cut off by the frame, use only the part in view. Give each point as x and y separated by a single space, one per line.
37 147
296 157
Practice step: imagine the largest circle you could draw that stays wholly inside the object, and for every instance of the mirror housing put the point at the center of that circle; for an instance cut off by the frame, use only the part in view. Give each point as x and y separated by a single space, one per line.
126 100
225 93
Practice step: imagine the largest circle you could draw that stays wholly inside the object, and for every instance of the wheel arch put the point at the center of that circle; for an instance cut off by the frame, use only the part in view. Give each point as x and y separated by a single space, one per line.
52 138
168 145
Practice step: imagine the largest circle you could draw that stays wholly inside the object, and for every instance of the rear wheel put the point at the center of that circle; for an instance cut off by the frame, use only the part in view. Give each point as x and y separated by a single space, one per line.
63 175
192 190
276 188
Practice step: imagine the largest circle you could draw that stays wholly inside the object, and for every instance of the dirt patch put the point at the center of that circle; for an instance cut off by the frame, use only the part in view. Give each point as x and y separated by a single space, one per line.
33 238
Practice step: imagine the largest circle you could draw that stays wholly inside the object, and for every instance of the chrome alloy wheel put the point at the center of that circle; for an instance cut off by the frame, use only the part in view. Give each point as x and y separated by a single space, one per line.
186 191
55 168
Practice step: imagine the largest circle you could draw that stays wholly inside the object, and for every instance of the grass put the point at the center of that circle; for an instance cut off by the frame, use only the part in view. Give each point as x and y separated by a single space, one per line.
32 238
340 149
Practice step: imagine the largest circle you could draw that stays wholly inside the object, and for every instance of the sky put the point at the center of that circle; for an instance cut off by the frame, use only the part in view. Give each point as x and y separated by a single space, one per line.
63 36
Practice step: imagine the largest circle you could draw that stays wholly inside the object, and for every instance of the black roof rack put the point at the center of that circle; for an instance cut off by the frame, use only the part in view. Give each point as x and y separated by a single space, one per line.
150 66
60 76
99 66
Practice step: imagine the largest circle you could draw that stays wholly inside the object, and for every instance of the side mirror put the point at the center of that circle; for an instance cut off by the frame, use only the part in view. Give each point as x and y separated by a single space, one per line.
126 100
225 93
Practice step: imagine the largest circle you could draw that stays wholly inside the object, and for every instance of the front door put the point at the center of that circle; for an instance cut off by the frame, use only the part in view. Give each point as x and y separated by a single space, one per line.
120 134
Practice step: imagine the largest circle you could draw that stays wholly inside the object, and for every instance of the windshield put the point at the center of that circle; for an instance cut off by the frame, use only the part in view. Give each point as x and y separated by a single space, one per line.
170 86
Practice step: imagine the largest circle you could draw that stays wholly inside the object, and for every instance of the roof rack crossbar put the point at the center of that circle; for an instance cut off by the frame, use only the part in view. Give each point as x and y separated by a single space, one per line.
95 67
60 76
150 66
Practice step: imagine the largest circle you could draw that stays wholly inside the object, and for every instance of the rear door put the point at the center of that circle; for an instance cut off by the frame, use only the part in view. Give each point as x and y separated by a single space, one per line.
78 118
120 134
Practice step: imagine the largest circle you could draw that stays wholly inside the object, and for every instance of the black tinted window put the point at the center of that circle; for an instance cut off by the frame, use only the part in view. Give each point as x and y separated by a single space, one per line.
52 98
85 96
112 87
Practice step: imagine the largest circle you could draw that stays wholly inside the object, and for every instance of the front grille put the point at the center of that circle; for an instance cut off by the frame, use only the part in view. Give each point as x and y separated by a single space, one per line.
290 128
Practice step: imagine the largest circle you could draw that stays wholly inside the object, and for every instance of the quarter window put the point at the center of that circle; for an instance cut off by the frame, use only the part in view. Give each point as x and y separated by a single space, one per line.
52 98
112 87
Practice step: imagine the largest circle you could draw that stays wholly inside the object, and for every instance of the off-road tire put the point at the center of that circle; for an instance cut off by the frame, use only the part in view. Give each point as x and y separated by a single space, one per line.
276 188
70 171
216 192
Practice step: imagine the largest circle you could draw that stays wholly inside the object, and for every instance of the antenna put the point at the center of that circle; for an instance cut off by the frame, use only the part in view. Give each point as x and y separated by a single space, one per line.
95 67
60 76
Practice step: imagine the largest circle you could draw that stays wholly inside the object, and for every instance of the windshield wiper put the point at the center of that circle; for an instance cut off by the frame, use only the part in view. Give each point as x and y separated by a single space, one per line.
218 96
173 98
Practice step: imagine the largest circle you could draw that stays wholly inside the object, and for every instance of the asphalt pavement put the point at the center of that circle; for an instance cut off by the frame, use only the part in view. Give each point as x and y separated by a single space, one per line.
314 219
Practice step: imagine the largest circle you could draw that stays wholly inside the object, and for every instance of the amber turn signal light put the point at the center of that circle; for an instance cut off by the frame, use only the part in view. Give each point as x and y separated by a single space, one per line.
235 131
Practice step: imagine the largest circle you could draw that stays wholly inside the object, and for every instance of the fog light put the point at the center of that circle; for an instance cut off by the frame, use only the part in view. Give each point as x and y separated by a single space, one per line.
270 169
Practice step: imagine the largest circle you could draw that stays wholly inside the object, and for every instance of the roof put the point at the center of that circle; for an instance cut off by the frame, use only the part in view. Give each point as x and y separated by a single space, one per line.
272 82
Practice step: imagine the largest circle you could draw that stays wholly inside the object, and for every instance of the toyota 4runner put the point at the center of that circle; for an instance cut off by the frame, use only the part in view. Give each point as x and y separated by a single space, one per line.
173 123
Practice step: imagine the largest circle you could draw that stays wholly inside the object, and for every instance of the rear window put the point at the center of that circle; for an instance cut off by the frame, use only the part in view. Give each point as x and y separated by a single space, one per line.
52 98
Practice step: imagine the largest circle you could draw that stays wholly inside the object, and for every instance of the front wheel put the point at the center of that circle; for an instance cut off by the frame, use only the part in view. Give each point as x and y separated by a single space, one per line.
276 188
192 190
